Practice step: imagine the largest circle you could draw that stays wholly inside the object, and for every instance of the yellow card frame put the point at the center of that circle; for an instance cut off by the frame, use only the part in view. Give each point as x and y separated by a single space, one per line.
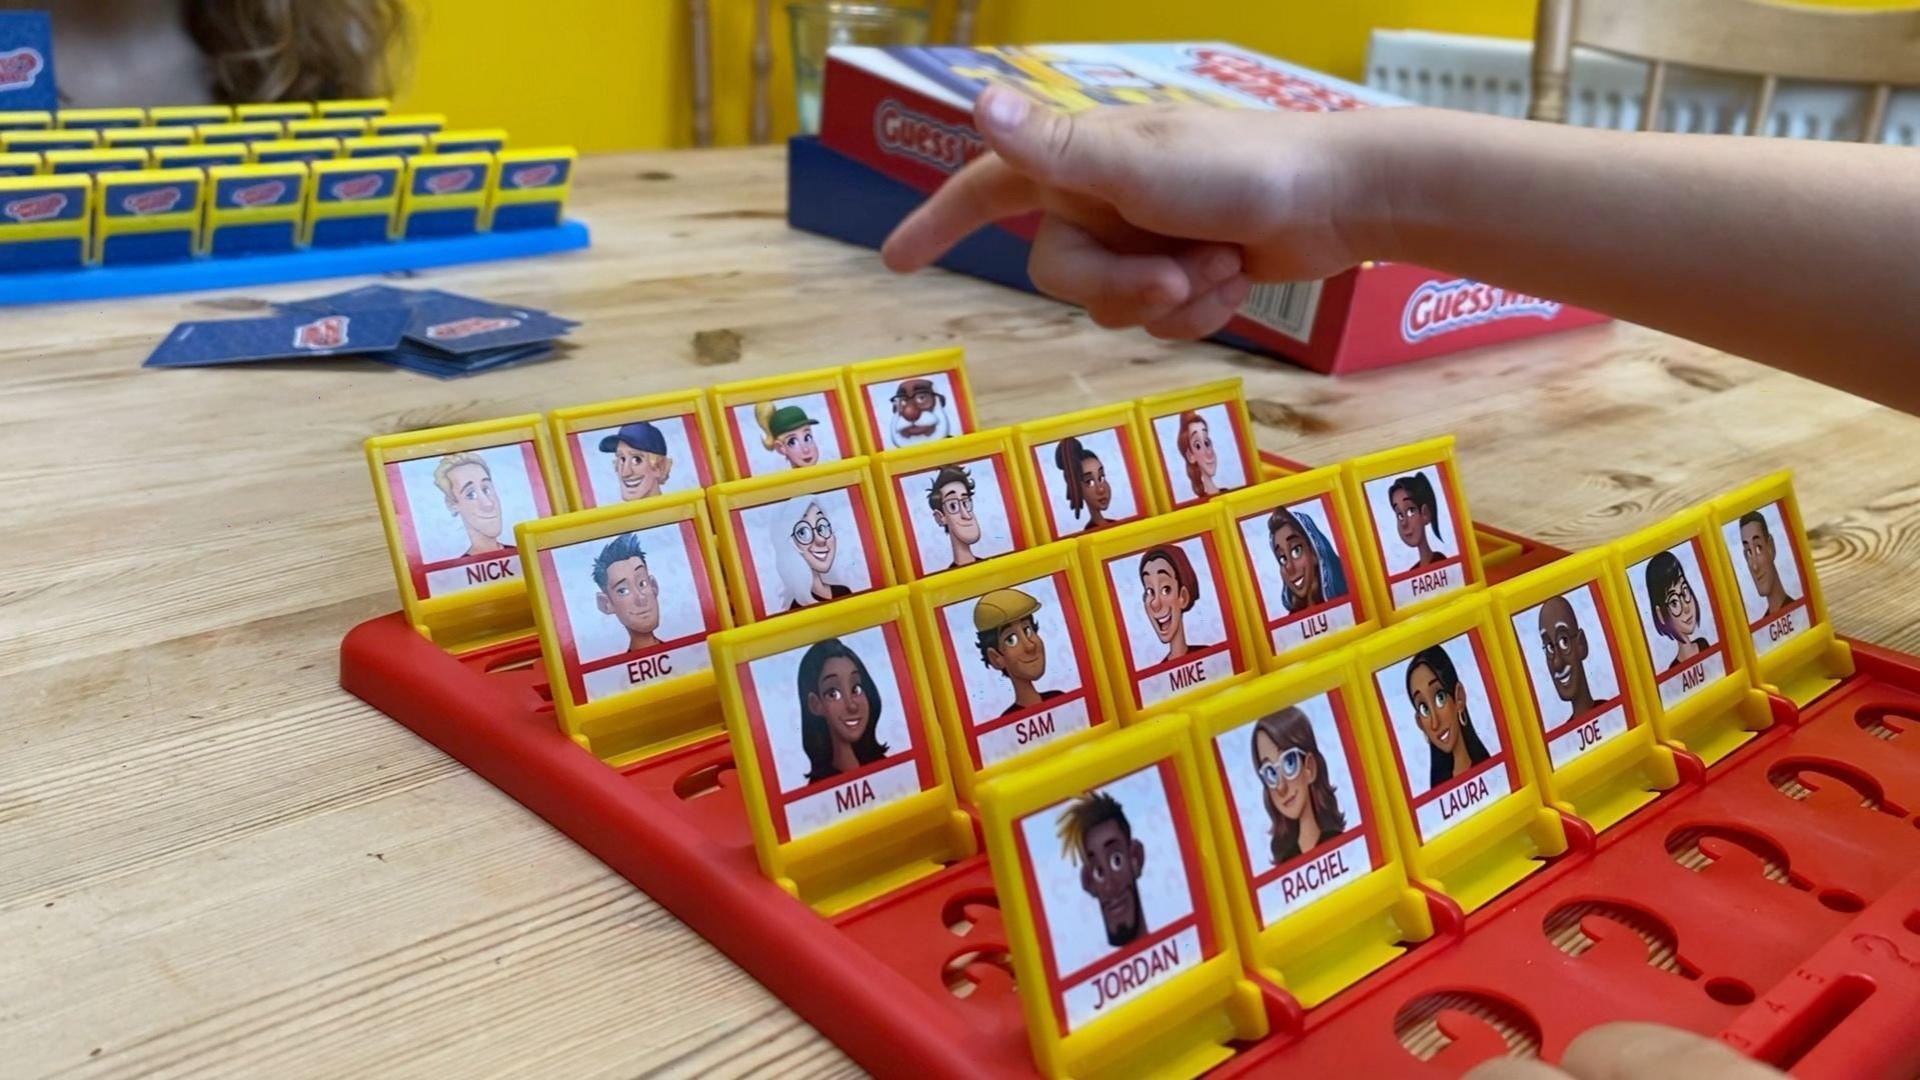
1430 453
1120 416
486 614
1229 392
829 381
898 508
841 865
1330 943
1624 771
1261 500
1178 1028
951 361
1479 858
1060 562
1204 520
1813 660
1724 713
604 414
737 563
647 719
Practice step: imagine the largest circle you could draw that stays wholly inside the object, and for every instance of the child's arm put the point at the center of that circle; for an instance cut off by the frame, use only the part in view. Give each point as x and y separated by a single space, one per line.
1804 255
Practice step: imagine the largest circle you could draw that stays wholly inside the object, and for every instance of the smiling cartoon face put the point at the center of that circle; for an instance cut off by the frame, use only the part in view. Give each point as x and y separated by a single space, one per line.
1299 562
1287 775
1019 650
1199 449
1564 644
1093 483
1165 598
919 413
1756 544
1436 707
474 499
1682 608
813 535
798 447
641 473
631 595
1410 518
955 513
841 697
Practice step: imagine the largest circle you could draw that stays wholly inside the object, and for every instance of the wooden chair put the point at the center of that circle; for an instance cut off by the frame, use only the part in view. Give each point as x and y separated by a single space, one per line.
1769 41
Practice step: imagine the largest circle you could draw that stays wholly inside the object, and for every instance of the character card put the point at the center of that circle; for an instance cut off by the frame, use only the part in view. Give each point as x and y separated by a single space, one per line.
776 425
1569 656
1765 557
640 448
1447 726
1420 536
953 505
1017 671
451 497
625 598
1769 566
908 401
1293 547
1083 471
1168 610
1202 442
795 542
1673 598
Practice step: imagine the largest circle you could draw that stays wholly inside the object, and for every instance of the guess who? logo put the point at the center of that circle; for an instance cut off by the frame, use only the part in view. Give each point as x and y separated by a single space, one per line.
449 181
329 332
535 176
1440 307
470 327
158 200
901 132
20 68
263 193
35 207
357 188
1278 88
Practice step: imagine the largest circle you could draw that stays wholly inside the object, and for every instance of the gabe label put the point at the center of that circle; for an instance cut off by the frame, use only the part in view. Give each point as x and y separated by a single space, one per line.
1440 307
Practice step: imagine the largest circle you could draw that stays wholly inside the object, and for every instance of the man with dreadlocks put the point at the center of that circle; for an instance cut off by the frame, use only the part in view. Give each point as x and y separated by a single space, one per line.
1094 833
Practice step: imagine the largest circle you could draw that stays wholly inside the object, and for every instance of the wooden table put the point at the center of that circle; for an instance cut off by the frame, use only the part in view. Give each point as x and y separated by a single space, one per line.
214 859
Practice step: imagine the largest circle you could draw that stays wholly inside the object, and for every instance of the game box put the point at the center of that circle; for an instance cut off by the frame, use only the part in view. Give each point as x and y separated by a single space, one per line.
896 122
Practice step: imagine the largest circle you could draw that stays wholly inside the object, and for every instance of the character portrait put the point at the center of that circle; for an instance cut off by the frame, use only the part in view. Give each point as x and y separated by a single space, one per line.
1567 649
806 550
1672 595
457 512
914 411
1088 481
1294 786
1445 722
639 460
958 514
1299 556
1767 564
1113 885
788 433
1418 531
840 710
1016 653
1172 605
632 609
1202 453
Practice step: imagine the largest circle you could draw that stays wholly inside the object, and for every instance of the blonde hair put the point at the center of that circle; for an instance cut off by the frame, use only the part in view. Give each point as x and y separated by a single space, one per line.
443 472
300 50
763 415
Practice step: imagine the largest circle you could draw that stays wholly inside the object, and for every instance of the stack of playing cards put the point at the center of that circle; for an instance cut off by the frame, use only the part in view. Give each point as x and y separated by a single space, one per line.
438 333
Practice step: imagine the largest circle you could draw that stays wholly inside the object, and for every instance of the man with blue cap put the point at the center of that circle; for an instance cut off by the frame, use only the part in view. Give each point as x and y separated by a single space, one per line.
639 459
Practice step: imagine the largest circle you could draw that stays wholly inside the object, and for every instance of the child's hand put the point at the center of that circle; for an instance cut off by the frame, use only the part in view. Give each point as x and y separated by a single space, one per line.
1154 217
1625 1050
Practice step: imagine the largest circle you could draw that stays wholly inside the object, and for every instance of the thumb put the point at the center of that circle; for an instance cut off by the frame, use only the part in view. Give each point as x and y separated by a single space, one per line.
1056 148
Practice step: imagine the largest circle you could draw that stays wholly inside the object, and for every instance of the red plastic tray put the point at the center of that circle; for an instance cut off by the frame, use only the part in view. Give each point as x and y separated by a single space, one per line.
1773 899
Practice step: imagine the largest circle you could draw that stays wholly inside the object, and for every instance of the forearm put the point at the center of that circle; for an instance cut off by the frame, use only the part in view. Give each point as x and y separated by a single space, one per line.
1799 254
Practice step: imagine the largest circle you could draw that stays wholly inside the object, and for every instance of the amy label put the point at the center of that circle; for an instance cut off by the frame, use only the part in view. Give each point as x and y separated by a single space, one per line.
1768 635
1675 687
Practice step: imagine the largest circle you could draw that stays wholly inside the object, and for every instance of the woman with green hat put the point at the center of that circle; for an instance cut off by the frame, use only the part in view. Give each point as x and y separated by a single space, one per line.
787 430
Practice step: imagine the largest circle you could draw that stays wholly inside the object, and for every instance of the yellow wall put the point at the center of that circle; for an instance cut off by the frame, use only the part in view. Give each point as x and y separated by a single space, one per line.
612 74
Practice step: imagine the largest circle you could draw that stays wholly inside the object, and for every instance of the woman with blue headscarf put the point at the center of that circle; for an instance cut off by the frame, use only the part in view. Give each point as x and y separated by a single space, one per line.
1310 569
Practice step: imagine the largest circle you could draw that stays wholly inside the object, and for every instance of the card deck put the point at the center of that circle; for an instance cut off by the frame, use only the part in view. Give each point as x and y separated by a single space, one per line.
289 336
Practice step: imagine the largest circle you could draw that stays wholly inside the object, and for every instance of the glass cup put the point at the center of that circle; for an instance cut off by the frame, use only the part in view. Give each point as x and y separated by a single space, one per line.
821 24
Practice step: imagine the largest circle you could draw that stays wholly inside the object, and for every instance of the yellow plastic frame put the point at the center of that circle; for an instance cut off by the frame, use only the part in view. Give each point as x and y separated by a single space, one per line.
603 414
1721 715
100 119
1120 416
238 132
148 138
184 218
321 173
899 508
735 562
74 186
951 362
486 614
1479 858
1228 392
1814 660
1624 772
1125 541
1261 500
499 195
413 201
1364 470
1058 561
1330 943
77 162
648 719
220 217
724 397
1178 1028
189 116
847 863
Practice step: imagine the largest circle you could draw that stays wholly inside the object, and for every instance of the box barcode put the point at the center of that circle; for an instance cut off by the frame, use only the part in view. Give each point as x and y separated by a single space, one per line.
1285 307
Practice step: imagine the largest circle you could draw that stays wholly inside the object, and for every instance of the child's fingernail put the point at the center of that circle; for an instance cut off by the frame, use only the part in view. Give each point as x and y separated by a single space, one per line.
1005 110
1220 266
1235 291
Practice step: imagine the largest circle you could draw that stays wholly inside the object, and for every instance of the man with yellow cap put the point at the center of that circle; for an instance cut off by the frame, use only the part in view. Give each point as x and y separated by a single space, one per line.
1010 643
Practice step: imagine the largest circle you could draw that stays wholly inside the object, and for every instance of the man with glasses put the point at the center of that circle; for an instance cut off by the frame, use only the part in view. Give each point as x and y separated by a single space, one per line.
919 414
951 499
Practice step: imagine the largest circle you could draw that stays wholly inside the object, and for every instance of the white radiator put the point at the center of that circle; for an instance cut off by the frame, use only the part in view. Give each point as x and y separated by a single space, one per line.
1492 75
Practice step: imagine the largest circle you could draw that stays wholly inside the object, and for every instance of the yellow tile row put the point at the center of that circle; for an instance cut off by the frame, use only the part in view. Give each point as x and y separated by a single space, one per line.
28 153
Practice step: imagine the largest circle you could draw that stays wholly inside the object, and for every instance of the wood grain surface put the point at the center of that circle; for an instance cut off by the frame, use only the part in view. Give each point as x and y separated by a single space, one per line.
214 860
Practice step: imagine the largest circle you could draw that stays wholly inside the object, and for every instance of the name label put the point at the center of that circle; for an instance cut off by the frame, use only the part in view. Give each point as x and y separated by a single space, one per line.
1676 686
1462 801
1180 678
1313 880
1770 634
1426 584
1062 716
1131 976
1289 636
1587 734
502 567
843 802
619 678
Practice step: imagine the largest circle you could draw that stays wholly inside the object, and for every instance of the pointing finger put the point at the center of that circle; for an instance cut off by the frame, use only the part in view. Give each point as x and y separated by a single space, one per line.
983 192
